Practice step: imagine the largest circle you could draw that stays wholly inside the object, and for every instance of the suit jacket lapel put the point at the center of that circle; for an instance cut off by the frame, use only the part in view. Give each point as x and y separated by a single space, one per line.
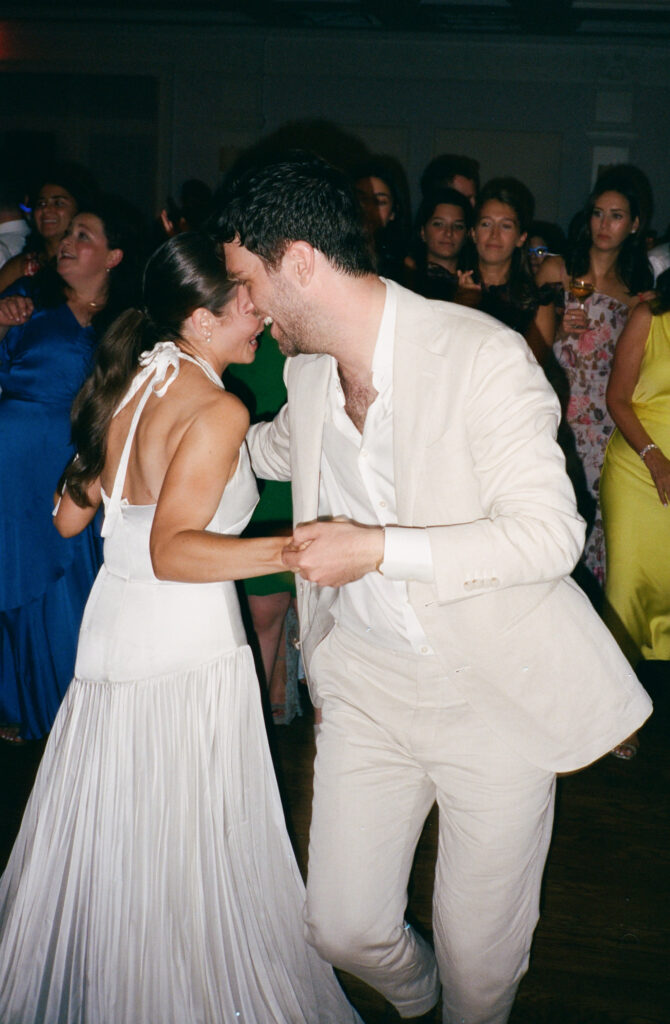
308 408
415 370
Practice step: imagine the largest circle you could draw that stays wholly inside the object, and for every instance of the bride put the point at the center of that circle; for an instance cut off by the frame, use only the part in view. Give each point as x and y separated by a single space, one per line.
152 879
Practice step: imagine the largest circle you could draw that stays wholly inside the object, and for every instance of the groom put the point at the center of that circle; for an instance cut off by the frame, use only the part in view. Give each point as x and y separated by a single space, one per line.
453 658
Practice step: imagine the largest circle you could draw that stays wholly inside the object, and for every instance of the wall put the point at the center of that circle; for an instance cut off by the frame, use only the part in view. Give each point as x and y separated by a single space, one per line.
191 97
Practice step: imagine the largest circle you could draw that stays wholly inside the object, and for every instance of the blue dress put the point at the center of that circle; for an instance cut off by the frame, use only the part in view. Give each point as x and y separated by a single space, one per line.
44 579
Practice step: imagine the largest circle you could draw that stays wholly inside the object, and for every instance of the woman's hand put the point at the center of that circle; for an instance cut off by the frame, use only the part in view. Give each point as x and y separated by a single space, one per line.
15 309
466 282
468 292
575 320
659 467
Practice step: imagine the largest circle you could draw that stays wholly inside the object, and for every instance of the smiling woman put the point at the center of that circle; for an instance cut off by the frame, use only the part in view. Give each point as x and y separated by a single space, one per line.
50 325
500 281
63 189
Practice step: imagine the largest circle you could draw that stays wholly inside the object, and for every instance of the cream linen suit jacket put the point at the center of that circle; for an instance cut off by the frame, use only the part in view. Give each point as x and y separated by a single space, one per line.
477 465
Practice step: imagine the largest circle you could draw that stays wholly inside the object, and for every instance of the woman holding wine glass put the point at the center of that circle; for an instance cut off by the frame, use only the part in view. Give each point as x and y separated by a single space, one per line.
604 278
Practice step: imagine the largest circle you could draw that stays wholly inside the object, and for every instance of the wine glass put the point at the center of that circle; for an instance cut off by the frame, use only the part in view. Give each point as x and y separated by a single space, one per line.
581 289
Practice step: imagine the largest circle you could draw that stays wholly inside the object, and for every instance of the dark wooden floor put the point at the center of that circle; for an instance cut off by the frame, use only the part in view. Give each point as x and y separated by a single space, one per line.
602 948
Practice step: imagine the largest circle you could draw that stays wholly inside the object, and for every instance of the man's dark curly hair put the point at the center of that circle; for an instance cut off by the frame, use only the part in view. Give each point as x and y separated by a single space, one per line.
293 197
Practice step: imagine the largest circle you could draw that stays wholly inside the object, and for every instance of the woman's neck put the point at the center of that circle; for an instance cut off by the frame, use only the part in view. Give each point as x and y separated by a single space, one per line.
51 248
202 354
602 267
447 264
87 299
495 273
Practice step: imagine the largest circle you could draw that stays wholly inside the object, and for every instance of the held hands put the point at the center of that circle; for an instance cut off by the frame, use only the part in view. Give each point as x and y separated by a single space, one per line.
15 309
335 552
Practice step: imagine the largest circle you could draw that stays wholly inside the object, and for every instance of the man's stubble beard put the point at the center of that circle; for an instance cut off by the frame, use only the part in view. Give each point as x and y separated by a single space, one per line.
296 323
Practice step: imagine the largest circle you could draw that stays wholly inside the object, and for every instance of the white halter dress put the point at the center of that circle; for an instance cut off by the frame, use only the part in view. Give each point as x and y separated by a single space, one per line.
152 881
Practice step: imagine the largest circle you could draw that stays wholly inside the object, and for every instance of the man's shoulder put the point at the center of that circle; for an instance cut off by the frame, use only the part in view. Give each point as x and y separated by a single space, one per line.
448 328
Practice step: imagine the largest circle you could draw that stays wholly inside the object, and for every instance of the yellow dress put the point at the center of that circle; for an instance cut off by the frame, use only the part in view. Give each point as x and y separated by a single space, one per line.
637 525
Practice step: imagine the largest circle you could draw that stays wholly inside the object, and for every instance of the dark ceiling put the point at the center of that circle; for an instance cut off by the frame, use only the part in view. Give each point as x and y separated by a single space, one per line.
586 18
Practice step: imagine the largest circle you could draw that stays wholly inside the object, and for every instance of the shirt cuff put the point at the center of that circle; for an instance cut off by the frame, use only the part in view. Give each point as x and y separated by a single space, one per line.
407 554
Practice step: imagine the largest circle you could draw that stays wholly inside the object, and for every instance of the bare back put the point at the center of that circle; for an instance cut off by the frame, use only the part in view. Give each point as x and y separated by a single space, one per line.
163 424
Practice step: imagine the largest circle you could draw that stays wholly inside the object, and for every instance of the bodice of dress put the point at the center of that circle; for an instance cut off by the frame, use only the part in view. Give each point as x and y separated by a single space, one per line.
651 397
127 527
46 360
589 355
43 363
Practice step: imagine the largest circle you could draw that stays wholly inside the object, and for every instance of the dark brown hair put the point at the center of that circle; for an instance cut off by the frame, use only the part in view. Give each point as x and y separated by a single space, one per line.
184 274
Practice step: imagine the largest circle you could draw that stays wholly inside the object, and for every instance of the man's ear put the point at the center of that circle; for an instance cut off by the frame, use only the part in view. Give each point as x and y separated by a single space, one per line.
300 259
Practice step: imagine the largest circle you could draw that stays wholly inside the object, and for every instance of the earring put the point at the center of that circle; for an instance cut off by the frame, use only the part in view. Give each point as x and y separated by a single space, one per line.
207 332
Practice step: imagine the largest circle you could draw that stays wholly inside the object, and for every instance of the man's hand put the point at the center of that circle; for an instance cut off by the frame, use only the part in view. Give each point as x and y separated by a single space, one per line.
335 552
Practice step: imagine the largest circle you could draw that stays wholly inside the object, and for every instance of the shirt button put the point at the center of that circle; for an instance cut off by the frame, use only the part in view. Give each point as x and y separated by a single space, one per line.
382 504
425 650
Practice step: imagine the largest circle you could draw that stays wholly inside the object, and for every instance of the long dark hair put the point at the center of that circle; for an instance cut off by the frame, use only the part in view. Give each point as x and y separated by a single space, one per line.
522 292
440 196
184 274
661 302
632 265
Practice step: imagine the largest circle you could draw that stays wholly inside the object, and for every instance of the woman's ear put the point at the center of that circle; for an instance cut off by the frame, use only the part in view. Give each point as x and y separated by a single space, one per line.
114 257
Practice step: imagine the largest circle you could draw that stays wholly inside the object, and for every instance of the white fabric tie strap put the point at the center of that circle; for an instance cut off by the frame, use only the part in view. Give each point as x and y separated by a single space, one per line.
155 365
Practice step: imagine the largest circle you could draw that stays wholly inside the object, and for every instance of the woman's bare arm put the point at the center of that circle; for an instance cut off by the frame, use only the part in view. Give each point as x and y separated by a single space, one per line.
70 518
628 357
182 549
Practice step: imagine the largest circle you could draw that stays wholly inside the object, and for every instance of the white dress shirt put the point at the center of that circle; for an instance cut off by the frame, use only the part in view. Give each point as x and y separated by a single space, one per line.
357 482
13 234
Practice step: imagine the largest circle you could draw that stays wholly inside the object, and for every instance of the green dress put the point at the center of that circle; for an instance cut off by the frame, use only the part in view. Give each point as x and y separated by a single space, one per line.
637 525
260 385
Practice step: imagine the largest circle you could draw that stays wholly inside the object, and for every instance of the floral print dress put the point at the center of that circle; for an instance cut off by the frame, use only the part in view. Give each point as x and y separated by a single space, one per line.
585 361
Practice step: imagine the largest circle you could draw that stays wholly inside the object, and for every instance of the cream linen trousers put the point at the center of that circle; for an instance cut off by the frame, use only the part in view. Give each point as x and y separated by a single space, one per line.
395 738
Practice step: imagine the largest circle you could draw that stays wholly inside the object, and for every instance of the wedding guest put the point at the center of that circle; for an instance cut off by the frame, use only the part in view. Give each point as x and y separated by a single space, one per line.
444 220
500 281
380 197
14 228
635 489
51 324
63 189
452 171
609 257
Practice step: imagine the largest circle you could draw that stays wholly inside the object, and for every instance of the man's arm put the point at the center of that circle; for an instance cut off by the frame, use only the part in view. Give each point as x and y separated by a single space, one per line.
528 530
269 447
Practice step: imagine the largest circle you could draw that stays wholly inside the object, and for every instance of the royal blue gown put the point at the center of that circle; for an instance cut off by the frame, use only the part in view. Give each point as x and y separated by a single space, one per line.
44 579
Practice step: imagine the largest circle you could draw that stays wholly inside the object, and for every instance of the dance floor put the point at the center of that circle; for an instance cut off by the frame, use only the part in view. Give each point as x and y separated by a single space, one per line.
602 948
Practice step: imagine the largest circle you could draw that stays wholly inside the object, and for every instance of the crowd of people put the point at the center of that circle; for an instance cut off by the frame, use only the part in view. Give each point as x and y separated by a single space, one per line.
418 438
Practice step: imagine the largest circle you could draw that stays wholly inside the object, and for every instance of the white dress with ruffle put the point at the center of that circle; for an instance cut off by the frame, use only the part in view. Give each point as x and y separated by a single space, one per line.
153 881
